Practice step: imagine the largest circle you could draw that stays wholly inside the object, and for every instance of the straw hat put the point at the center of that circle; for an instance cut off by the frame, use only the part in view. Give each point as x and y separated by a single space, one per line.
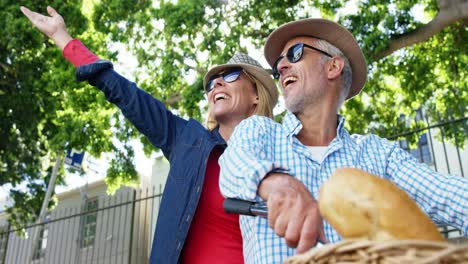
252 67
327 30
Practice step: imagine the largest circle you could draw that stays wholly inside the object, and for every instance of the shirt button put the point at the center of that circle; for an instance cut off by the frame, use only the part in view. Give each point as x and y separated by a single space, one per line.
188 218
198 188
179 246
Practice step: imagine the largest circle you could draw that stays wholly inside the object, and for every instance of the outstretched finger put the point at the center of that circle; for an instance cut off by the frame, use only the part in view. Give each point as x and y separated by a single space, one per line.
34 17
28 13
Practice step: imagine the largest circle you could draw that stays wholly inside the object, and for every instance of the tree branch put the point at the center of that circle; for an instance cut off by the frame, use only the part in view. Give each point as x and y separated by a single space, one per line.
174 99
450 11
199 70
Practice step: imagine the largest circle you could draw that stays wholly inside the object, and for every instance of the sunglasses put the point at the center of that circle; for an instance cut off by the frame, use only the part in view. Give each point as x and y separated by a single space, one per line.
294 54
229 76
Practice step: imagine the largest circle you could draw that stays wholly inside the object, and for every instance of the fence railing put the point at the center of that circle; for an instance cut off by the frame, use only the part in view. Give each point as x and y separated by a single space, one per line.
446 157
120 228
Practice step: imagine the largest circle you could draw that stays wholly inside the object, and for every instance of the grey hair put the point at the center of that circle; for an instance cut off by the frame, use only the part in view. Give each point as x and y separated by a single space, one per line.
347 74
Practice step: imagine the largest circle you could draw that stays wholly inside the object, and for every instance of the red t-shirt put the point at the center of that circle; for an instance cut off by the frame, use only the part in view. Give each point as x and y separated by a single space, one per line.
214 236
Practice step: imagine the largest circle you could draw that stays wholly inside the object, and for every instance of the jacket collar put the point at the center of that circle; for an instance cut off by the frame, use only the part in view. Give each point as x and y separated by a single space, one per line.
218 138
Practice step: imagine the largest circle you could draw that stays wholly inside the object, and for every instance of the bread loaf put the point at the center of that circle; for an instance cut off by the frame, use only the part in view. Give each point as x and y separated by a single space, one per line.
361 205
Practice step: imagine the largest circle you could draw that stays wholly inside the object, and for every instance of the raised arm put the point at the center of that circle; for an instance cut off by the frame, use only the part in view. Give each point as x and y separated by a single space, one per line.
52 26
443 197
149 115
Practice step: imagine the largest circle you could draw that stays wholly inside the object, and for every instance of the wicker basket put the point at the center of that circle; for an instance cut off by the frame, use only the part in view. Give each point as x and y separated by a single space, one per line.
394 252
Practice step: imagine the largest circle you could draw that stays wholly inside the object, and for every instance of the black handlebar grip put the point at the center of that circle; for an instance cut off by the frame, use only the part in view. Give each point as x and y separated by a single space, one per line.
236 206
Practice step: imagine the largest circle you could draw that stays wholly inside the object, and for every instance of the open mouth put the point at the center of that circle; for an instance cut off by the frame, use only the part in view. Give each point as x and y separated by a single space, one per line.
220 96
289 80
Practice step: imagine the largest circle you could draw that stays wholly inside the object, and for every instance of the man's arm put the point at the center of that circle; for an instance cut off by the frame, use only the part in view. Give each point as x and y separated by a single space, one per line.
246 160
249 171
443 198
292 211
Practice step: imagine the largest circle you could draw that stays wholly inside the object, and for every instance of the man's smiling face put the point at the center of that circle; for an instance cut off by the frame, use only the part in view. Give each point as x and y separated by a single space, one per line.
302 82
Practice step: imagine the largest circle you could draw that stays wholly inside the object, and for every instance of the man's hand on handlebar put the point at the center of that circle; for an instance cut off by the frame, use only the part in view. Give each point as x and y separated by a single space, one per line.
292 211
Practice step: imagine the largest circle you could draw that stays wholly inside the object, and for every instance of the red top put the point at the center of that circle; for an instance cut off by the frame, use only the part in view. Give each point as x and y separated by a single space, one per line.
214 236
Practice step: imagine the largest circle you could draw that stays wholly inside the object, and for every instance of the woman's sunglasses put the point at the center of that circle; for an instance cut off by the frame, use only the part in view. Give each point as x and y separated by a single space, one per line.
294 54
229 76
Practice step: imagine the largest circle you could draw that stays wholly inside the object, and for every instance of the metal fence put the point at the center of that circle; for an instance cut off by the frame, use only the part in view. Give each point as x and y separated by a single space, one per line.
119 229
434 148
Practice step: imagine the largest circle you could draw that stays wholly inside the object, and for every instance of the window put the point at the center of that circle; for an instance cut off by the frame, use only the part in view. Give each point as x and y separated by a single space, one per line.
422 152
404 144
39 251
425 153
88 228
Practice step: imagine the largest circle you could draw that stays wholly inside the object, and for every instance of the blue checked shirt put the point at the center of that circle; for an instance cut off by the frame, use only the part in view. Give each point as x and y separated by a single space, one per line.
259 146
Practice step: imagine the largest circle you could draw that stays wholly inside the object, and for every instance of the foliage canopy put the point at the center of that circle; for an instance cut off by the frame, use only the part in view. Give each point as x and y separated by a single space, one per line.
414 62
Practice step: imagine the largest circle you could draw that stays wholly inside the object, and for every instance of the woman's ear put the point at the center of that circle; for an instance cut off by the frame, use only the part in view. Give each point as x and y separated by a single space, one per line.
256 99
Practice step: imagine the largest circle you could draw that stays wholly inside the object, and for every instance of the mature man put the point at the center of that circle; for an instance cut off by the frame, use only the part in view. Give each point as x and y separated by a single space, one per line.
319 66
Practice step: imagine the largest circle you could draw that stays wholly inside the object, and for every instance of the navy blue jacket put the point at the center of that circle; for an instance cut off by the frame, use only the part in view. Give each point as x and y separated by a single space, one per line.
185 143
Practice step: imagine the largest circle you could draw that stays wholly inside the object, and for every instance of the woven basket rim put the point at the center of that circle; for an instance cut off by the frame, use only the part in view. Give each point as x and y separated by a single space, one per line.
393 251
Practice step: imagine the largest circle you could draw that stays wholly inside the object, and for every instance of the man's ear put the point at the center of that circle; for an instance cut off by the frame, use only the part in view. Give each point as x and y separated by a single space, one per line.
335 67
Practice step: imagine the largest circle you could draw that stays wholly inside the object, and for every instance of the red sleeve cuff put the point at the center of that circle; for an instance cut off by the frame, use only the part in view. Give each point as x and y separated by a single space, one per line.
77 53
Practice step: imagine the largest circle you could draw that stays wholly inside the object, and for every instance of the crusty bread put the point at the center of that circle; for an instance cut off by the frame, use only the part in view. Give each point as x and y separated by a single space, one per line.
361 205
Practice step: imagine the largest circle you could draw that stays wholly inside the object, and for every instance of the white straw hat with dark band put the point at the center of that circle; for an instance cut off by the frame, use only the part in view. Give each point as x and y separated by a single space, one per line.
252 67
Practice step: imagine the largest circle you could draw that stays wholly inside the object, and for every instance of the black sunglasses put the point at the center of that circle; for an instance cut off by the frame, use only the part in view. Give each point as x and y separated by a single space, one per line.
229 76
294 54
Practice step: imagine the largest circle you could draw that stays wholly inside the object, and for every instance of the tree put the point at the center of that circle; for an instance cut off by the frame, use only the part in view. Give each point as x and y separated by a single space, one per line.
413 63
44 111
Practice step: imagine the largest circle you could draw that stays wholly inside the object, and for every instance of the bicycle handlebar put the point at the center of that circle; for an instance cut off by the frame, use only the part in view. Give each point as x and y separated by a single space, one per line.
236 206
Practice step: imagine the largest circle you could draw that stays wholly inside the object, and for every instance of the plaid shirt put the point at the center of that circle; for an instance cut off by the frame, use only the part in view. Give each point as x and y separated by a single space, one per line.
259 146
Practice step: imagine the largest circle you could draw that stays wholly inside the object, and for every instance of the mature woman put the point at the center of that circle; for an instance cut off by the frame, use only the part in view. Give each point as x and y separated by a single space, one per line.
191 226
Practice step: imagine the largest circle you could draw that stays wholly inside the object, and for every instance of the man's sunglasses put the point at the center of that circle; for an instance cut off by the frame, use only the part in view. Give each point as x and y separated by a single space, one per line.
229 76
294 54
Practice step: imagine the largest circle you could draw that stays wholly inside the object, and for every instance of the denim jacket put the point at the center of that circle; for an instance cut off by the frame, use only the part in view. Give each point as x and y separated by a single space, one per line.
185 143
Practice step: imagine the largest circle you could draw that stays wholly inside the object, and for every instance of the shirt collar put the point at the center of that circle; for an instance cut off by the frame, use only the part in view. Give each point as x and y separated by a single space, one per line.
218 138
293 125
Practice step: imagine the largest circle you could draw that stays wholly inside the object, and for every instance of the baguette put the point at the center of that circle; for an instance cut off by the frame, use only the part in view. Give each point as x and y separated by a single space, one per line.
361 205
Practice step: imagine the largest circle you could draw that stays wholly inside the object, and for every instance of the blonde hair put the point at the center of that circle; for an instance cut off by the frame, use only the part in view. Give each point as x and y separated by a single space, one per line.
266 102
